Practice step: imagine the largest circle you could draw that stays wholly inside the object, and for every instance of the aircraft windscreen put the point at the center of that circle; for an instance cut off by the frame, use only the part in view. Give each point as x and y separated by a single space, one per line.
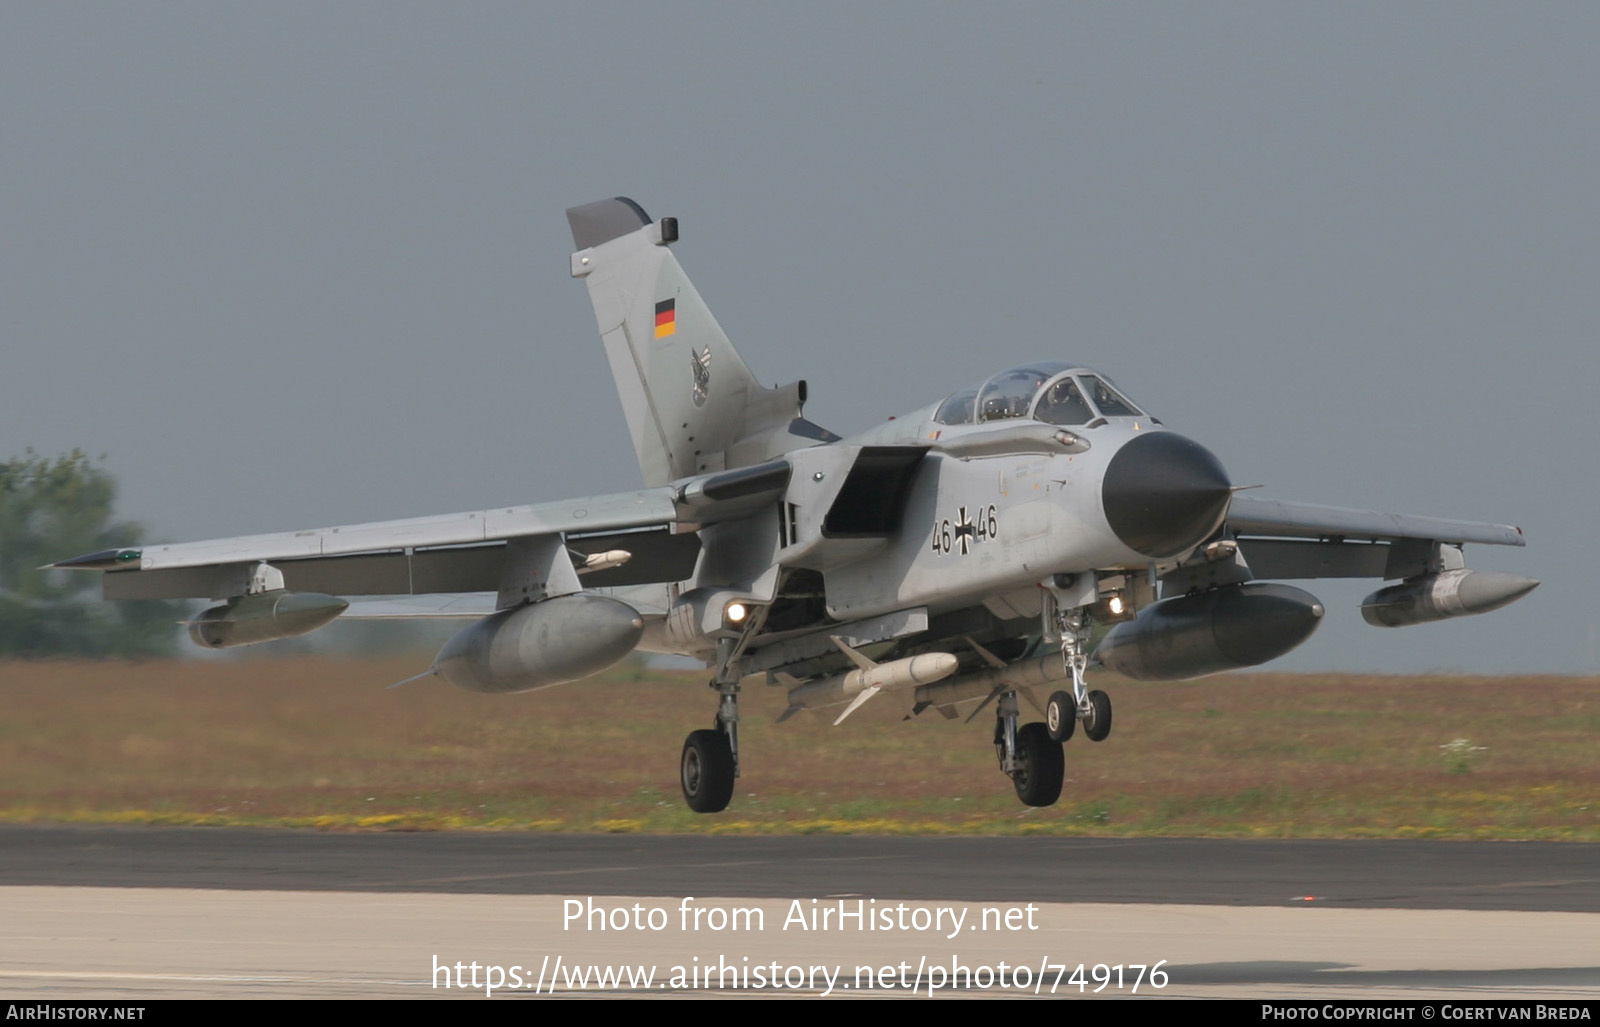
1107 399
1062 403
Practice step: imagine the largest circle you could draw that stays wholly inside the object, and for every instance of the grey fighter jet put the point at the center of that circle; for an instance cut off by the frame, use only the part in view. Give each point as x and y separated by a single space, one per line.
986 549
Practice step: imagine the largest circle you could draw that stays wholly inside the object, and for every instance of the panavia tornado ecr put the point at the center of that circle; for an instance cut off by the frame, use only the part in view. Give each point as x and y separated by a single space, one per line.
985 549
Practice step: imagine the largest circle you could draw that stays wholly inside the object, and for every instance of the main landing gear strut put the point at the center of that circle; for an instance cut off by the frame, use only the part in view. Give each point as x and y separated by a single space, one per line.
1028 755
710 761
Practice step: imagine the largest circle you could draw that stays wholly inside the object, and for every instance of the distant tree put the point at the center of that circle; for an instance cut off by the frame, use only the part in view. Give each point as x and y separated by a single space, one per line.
51 510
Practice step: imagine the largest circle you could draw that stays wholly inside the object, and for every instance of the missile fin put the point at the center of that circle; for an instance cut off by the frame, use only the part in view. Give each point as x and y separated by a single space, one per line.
855 657
855 704
996 690
990 658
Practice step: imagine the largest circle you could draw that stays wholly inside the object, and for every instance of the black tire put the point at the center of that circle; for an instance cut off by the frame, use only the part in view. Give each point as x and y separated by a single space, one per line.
1098 724
1061 716
706 771
1038 782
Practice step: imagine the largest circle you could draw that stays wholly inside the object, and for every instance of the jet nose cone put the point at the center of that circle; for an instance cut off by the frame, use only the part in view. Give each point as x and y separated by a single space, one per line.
1163 493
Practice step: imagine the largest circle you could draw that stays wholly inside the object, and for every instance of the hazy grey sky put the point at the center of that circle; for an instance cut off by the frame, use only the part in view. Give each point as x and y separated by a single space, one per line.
290 265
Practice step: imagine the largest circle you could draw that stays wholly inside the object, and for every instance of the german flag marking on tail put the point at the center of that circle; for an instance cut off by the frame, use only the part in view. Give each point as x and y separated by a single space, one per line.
666 318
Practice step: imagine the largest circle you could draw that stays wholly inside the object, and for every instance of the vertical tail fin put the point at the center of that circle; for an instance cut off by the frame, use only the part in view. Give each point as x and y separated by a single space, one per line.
692 404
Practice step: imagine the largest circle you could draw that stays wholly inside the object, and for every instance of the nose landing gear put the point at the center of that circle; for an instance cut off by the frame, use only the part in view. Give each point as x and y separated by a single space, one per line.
1064 709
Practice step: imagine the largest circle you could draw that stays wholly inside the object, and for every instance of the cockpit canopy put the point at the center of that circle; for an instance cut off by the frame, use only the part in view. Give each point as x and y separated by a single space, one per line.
1052 391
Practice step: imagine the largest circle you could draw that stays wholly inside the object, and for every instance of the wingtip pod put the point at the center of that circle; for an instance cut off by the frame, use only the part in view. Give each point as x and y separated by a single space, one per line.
104 560
1451 593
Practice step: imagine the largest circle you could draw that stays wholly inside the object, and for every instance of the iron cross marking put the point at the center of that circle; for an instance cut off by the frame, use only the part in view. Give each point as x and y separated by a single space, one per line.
964 530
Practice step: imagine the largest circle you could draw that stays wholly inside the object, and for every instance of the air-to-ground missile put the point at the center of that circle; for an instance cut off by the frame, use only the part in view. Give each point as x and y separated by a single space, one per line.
1452 593
1212 631
540 644
910 672
264 617
1044 669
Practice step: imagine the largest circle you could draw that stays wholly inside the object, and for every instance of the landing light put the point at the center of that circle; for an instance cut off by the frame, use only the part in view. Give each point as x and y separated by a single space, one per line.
1113 607
736 613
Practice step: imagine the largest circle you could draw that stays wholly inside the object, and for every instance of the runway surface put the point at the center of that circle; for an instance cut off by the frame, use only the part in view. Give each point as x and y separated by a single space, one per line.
149 912
1378 874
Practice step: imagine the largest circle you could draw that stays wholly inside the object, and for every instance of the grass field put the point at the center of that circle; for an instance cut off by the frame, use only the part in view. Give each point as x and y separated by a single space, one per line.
319 742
